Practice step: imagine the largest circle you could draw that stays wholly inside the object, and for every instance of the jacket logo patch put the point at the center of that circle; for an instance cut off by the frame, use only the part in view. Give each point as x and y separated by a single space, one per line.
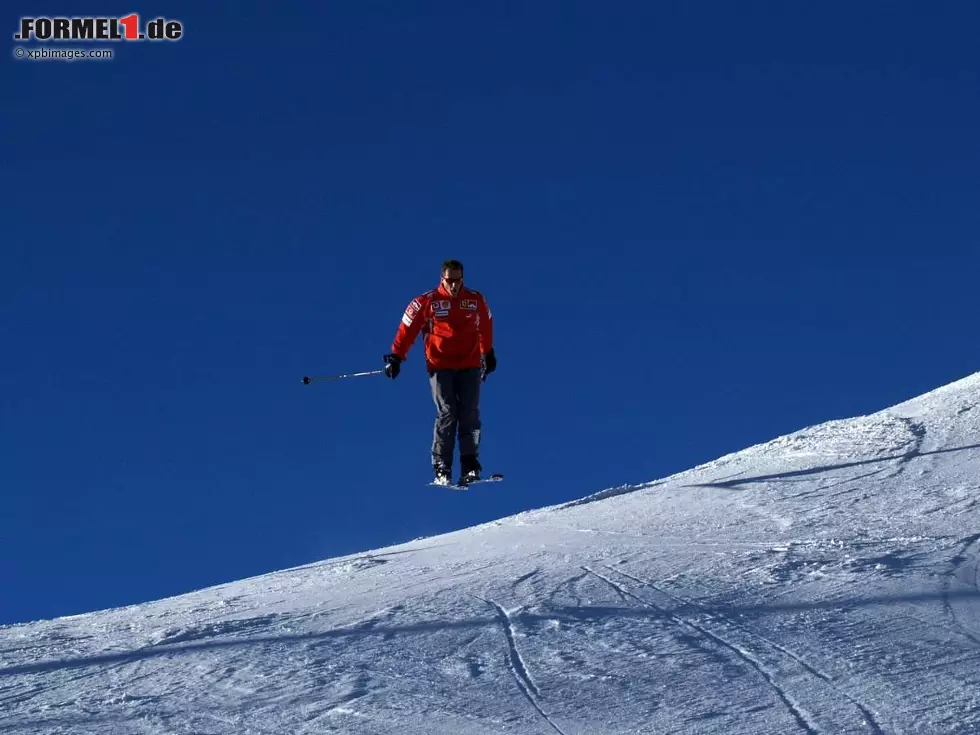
441 305
469 304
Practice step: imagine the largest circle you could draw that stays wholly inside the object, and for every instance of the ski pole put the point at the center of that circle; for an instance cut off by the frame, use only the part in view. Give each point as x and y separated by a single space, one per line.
317 378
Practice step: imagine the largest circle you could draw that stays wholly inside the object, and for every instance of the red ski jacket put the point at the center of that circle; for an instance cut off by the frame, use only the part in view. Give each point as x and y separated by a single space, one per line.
458 329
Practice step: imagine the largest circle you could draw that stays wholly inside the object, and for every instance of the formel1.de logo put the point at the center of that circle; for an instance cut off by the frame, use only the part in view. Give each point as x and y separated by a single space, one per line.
98 29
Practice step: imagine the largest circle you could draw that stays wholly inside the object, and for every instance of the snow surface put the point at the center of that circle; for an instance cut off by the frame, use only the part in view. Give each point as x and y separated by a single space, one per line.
823 582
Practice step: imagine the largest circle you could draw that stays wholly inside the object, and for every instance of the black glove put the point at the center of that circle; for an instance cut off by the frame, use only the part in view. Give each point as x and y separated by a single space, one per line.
489 363
393 364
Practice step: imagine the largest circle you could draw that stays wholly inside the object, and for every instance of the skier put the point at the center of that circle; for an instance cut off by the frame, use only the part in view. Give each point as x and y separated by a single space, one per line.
459 354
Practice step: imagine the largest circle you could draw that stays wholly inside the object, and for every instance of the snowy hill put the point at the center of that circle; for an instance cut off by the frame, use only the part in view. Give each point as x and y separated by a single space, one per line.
823 582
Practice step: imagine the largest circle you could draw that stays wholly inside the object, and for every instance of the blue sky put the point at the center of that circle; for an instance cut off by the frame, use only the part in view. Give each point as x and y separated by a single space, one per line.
698 227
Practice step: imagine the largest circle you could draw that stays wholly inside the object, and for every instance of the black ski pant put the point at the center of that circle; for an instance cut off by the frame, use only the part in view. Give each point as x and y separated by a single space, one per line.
456 394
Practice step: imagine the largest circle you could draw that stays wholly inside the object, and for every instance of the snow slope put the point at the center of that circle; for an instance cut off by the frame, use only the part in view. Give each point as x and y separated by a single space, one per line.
823 582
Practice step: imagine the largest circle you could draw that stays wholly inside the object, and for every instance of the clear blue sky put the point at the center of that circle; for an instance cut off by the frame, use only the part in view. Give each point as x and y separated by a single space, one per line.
699 226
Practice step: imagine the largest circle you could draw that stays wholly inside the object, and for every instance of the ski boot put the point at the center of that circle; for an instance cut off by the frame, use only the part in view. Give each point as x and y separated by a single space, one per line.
470 469
444 476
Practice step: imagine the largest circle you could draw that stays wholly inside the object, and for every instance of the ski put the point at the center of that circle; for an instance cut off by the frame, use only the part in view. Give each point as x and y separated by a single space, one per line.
495 477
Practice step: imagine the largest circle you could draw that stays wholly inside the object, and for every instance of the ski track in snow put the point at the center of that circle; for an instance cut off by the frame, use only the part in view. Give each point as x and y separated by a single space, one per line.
518 668
802 717
919 433
964 572
524 578
609 493
724 621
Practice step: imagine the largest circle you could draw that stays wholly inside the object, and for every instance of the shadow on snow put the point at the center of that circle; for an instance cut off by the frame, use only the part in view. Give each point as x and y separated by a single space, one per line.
570 614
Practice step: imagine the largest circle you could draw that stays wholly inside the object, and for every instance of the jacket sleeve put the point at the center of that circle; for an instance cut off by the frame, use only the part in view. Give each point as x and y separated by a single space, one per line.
486 326
411 325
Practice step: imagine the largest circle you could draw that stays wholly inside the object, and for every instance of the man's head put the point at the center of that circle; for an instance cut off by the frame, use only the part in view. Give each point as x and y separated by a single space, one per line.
452 276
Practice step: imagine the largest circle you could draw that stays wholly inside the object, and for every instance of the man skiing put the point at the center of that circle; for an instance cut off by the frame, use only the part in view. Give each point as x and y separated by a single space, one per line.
458 329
